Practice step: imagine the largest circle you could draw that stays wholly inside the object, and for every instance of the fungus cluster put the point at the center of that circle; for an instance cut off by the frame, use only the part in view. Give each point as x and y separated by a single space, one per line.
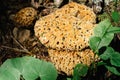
66 33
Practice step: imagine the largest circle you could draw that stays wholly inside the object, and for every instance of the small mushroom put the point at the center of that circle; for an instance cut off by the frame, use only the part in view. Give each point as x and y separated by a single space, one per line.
23 21
66 33
25 17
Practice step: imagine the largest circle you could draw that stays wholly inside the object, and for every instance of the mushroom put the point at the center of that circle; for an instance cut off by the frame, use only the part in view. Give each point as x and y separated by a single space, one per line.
23 21
66 33
25 17
65 61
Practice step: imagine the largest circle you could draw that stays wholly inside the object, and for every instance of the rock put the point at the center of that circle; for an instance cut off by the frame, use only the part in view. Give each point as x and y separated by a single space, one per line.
21 34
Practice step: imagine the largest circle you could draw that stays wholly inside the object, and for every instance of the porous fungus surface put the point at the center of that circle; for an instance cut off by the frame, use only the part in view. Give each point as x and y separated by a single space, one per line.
66 33
25 16
68 28
65 61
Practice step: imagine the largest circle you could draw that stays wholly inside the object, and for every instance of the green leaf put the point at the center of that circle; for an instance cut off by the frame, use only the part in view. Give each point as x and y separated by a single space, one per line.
114 30
80 70
101 28
103 35
113 70
101 63
112 55
8 73
45 70
94 43
29 67
12 68
115 16
115 59
107 54
105 40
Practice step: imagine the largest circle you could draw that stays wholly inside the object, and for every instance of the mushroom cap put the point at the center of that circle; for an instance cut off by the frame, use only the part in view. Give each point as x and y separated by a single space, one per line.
25 16
66 33
65 61
68 28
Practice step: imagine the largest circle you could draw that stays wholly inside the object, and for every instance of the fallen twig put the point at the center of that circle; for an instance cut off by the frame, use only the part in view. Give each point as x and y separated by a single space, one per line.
17 50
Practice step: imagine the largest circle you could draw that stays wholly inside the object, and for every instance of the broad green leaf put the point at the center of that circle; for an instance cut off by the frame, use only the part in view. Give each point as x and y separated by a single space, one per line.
94 43
105 40
9 73
107 54
102 28
13 68
112 55
113 70
80 70
42 69
115 59
103 35
115 16
18 63
29 67
29 72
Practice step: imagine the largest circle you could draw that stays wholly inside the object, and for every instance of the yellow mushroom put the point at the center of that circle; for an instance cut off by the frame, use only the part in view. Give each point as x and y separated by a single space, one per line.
66 33
65 61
